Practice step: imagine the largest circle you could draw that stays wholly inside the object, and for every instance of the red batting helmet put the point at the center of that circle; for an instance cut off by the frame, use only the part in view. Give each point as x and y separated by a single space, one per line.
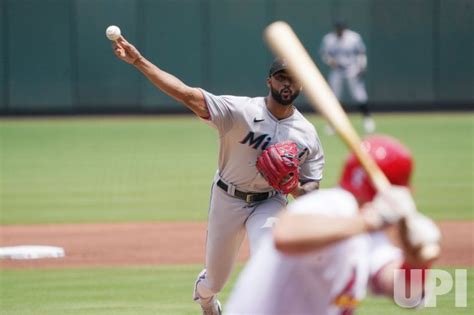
393 158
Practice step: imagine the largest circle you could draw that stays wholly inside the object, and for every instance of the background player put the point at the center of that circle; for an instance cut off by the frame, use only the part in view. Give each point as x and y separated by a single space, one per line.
344 52
241 199
329 226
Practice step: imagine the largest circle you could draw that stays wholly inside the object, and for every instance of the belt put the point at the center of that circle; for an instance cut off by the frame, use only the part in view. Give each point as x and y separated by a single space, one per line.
247 197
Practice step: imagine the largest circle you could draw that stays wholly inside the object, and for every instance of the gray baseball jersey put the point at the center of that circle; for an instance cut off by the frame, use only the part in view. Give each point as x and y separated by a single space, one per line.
246 128
346 51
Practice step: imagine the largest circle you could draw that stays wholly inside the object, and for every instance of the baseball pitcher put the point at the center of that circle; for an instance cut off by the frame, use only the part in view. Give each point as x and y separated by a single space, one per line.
267 150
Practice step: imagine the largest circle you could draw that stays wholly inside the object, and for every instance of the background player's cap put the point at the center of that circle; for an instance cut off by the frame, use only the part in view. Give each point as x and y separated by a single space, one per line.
277 65
340 24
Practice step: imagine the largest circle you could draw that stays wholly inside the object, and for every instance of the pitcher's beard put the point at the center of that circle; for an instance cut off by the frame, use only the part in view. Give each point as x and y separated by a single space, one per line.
277 96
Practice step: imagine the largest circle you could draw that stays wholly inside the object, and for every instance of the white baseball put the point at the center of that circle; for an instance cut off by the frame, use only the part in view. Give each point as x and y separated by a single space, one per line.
112 32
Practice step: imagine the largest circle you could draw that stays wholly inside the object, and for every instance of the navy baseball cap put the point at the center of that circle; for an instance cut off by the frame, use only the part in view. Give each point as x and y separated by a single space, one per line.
277 66
340 24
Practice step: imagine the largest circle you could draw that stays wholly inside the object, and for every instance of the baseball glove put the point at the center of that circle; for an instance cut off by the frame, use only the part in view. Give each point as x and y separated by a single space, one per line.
279 164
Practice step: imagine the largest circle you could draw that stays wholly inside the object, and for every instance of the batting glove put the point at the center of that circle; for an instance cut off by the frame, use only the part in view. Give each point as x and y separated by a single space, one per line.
390 206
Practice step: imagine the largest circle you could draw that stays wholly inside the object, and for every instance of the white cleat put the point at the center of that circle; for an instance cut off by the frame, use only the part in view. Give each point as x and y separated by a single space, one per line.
213 308
369 125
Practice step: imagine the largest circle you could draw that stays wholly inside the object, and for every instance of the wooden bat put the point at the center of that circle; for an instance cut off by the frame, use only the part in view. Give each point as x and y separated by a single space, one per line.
286 45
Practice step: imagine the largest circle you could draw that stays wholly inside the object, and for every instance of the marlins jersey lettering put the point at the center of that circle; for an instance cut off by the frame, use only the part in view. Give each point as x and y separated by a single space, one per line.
331 281
246 128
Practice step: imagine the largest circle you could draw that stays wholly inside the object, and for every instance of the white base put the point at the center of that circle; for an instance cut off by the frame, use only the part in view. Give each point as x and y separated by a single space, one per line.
31 252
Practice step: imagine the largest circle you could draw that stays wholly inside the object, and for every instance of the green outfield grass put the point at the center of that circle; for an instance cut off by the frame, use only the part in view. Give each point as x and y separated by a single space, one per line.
153 290
161 168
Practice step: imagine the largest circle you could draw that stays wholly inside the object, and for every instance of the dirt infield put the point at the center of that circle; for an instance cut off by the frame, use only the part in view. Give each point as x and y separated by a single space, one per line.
129 244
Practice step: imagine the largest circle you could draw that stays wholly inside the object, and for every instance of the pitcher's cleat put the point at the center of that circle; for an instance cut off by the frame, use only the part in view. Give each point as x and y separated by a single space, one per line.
369 125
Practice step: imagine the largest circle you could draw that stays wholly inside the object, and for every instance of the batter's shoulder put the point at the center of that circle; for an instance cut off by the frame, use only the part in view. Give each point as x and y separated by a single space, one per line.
327 201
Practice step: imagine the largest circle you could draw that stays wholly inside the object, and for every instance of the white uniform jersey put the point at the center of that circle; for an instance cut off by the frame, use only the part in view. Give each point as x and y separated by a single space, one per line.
326 282
345 50
246 128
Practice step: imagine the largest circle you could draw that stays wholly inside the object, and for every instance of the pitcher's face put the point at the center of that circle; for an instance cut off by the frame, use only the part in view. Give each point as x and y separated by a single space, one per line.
284 88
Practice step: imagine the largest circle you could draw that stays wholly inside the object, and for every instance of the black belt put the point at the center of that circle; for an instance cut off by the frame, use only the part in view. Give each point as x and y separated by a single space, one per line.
247 197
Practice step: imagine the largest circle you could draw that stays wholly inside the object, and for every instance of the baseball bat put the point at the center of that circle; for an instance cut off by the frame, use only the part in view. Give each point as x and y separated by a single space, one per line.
286 45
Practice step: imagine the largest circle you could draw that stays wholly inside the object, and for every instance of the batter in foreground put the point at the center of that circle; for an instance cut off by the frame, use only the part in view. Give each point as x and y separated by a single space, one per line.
328 248
245 195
